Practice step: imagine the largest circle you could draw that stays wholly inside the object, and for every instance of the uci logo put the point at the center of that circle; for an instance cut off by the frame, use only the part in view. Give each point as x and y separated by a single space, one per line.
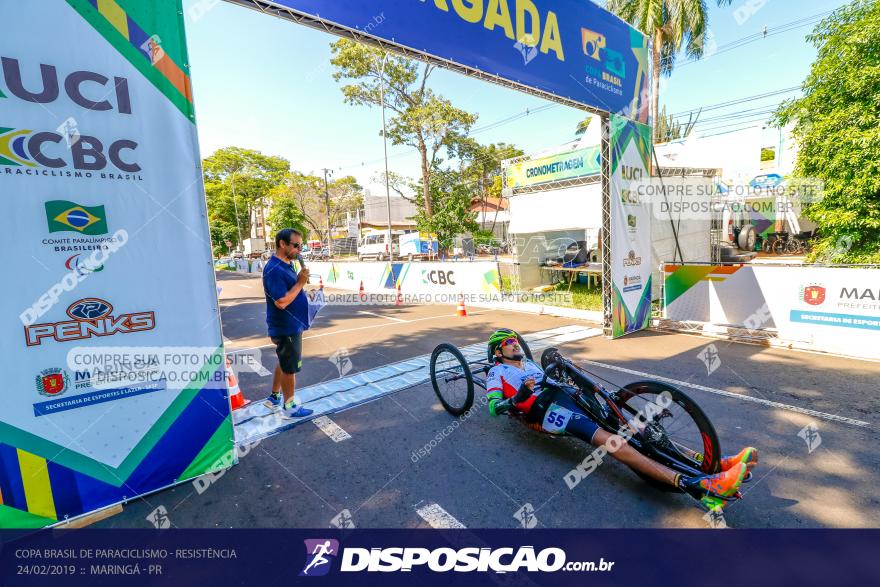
438 277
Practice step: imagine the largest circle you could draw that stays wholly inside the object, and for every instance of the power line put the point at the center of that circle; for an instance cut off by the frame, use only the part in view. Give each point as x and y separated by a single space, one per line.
489 126
767 32
721 105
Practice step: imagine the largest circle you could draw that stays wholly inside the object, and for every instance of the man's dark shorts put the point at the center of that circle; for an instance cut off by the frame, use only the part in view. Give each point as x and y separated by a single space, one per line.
289 351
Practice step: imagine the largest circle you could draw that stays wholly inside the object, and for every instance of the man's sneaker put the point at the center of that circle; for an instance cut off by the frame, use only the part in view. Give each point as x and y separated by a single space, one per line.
747 456
295 411
273 401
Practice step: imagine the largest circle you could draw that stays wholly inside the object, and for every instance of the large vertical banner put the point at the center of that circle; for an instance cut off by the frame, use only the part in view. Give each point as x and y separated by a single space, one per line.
630 227
112 360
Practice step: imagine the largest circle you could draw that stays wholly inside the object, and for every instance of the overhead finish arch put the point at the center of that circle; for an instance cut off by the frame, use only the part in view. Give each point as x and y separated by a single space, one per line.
569 51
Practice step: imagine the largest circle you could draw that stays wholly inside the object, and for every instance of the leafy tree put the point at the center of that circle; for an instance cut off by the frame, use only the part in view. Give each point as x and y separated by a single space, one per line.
767 154
286 213
672 24
221 217
837 125
307 191
452 201
420 118
481 168
239 180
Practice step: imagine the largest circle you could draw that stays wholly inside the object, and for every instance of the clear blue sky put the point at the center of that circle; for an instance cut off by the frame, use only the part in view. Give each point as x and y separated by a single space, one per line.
266 84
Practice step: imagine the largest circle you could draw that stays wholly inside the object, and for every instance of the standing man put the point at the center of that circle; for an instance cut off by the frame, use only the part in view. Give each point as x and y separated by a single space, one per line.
286 316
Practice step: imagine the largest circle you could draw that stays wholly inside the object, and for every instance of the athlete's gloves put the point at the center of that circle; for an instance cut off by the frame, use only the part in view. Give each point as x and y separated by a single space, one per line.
499 407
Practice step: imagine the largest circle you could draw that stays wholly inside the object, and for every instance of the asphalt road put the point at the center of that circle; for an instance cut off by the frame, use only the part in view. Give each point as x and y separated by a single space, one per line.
483 471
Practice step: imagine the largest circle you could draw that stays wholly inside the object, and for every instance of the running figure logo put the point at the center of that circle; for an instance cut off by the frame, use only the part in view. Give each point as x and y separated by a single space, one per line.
319 554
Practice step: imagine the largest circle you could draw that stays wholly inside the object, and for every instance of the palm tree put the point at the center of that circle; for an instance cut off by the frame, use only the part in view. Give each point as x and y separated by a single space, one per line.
671 24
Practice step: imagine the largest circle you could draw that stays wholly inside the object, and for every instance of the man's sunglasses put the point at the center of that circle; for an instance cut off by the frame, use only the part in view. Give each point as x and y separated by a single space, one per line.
508 341
296 245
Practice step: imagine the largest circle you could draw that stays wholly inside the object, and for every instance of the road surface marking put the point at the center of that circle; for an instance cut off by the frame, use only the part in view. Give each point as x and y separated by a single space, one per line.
381 316
334 332
438 518
253 422
747 398
331 429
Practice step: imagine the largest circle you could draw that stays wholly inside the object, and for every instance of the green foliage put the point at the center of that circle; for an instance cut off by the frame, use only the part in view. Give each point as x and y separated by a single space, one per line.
308 193
420 118
483 237
768 154
241 179
671 25
286 213
668 128
452 201
837 124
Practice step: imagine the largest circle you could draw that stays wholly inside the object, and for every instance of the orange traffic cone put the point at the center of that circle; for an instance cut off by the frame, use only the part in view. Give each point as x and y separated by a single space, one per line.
235 396
362 294
320 282
461 309
399 300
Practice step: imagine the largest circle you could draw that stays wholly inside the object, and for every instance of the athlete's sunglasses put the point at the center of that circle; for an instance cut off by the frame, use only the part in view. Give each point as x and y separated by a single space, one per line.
296 245
507 341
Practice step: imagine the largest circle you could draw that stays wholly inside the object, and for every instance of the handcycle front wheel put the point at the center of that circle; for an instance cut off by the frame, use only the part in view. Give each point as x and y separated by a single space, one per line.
452 379
678 430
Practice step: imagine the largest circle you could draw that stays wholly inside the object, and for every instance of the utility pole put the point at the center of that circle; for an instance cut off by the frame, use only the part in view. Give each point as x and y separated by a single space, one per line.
327 203
387 180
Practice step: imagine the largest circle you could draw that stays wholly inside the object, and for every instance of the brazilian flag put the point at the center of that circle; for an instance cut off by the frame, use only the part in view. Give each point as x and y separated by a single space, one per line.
64 216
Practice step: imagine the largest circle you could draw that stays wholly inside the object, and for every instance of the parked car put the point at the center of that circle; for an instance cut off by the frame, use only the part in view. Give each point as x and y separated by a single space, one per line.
314 251
376 246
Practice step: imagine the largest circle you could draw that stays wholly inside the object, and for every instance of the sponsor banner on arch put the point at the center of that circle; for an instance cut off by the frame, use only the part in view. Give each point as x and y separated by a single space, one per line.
99 170
830 309
571 49
631 251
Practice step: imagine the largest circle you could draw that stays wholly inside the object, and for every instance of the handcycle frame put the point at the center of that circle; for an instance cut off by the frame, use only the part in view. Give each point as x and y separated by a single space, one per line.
648 438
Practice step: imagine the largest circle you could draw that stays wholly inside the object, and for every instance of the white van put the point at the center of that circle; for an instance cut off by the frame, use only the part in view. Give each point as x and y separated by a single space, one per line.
375 246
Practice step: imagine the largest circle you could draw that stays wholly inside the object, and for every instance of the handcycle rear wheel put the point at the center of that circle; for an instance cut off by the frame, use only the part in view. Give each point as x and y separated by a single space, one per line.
452 379
679 431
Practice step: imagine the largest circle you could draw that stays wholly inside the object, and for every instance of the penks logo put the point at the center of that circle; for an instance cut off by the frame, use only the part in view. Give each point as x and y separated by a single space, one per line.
813 294
64 216
52 382
319 556
632 260
90 317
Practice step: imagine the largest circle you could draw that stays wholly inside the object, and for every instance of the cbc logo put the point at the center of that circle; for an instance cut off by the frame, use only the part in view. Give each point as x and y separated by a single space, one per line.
439 277
593 44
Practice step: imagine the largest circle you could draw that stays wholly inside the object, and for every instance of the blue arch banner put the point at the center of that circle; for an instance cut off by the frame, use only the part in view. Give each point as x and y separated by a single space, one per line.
570 49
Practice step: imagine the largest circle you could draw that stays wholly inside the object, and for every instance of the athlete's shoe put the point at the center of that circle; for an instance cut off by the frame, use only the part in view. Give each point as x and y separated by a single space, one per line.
721 485
273 401
747 456
294 411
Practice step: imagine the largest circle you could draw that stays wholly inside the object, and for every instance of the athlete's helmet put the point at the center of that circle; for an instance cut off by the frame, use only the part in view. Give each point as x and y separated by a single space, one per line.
497 338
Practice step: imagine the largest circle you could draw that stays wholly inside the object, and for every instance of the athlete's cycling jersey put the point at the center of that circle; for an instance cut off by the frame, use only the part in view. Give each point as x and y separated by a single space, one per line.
507 379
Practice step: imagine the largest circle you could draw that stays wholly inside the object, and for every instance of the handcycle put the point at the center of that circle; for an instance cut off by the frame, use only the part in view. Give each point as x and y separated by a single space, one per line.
674 432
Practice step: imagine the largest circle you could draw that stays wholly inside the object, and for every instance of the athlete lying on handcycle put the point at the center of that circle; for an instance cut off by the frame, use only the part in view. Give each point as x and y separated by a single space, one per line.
518 385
